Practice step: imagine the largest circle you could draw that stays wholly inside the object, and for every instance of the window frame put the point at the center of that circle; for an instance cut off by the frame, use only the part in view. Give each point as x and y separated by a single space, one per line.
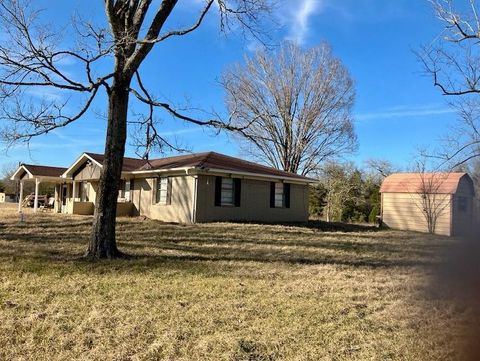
279 195
275 195
157 191
84 191
234 188
230 188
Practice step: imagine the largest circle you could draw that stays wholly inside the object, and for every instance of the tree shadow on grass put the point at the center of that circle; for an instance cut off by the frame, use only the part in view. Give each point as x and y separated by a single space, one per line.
156 245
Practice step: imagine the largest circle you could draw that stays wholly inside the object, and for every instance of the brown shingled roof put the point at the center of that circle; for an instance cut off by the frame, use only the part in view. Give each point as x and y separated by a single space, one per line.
213 160
129 164
206 160
439 183
44 171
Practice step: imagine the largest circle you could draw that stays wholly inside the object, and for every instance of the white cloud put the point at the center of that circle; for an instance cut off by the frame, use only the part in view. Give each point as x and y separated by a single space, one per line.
406 112
300 23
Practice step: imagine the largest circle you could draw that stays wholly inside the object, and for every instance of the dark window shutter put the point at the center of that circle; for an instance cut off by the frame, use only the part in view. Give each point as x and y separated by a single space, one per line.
272 194
218 191
237 191
286 194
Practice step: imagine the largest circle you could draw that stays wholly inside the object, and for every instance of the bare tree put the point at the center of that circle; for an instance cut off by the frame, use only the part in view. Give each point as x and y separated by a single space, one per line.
110 55
297 104
426 191
337 180
453 61
379 168
6 172
430 200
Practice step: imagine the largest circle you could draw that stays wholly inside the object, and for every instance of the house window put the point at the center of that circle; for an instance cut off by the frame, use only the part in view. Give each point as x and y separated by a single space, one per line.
127 191
279 195
84 190
163 191
227 191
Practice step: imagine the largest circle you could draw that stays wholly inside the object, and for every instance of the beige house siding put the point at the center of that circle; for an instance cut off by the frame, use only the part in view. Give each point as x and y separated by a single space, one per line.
181 201
87 172
404 211
254 203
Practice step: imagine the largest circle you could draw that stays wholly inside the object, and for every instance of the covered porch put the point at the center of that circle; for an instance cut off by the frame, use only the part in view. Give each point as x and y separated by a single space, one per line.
37 175
84 177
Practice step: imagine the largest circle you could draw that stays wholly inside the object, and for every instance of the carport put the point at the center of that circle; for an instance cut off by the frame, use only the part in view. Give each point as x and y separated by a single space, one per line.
40 174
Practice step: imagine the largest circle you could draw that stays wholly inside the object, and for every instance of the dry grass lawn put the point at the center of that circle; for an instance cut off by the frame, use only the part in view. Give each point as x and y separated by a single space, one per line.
221 292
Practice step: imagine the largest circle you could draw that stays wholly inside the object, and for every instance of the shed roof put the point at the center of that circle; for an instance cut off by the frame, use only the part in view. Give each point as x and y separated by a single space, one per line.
436 183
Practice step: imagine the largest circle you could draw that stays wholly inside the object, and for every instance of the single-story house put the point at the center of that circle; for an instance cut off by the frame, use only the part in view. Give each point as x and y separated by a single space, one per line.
410 201
201 187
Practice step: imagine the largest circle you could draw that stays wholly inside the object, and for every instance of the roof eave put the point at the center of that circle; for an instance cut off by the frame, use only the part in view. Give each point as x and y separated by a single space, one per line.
261 175
67 174
21 168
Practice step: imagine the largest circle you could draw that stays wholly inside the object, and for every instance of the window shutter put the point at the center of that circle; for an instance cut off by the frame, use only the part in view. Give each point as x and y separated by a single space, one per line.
154 190
286 194
218 191
272 194
237 191
169 190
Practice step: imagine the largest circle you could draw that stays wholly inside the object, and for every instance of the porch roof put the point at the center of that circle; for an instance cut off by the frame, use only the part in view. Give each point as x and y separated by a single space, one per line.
42 172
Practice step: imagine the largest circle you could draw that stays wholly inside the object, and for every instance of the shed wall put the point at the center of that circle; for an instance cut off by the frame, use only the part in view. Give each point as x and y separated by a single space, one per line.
404 211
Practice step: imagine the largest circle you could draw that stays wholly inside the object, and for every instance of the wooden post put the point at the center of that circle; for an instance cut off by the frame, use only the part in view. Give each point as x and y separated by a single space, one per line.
57 197
20 200
35 203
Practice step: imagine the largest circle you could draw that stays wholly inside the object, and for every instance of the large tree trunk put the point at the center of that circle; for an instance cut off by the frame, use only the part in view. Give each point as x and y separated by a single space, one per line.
102 241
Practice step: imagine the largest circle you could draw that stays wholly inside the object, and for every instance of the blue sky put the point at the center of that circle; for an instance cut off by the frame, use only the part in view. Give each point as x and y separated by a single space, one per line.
397 108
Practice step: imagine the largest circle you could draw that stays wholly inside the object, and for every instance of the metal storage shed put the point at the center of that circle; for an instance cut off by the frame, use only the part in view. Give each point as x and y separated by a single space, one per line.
442 203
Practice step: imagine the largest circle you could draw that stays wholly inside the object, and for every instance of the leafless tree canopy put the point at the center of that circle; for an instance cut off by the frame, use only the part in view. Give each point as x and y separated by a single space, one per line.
110 54
453 61
297 105
32 53
432 204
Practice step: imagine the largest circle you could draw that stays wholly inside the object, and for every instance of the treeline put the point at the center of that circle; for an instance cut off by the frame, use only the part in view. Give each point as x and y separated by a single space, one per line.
346 193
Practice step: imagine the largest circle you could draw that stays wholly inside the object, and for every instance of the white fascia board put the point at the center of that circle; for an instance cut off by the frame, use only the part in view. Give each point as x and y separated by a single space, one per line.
259 175
157 171
21 168
77 162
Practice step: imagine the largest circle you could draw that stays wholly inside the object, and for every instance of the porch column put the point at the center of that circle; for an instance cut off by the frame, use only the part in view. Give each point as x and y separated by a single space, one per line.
35 203
74 191
57 198
20 198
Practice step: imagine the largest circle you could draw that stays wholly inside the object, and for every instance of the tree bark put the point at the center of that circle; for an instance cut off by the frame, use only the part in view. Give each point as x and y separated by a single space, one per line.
103 238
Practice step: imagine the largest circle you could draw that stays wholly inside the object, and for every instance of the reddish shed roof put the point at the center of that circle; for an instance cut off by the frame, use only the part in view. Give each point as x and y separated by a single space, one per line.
438 183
